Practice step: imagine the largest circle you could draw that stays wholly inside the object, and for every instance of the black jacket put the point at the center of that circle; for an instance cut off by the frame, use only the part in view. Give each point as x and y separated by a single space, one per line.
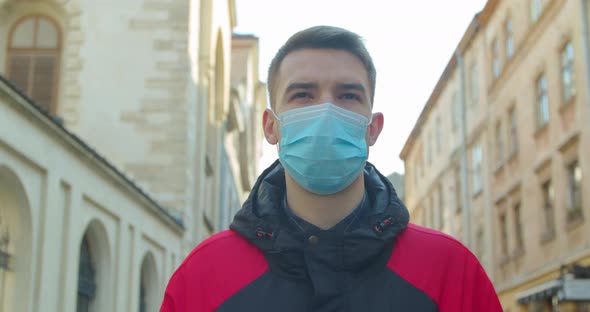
371 261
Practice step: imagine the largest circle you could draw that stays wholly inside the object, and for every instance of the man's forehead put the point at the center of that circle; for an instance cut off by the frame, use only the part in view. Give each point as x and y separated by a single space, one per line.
321 65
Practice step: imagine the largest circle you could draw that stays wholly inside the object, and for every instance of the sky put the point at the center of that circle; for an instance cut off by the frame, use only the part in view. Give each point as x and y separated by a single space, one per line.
411 42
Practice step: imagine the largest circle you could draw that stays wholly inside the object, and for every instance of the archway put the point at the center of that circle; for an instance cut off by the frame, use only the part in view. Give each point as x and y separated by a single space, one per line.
149 296
15 243
94 268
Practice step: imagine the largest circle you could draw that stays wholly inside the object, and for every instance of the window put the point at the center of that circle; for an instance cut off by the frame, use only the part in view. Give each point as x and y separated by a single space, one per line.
542 102
503 234
509 39
7 283
536 10
33 57
86 278
567 72
574 183
548 199
476 161
499 143
474 89
496 66
142 297
513 131
518 226
148 284
438 136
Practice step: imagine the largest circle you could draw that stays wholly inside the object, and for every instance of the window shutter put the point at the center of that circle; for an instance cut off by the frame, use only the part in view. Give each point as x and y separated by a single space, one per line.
19 71
44 80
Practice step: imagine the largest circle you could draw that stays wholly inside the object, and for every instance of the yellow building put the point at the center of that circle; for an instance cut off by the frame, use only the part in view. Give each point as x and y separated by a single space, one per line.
513 110
127 136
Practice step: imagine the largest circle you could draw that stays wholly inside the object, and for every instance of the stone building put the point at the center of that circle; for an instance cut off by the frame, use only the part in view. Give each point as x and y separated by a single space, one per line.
513 108
126 137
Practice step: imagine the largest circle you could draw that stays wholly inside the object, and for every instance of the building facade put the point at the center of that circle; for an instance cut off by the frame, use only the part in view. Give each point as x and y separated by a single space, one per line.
513 102
127 136
397 180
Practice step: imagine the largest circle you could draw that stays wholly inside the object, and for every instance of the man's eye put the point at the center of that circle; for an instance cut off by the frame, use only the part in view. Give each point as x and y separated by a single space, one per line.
350 96
300 95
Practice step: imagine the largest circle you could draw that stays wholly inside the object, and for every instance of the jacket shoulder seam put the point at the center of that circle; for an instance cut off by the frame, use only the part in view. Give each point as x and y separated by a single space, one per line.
207 243
441 236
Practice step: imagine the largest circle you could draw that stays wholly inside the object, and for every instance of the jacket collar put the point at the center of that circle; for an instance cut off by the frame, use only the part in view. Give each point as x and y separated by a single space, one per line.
264 222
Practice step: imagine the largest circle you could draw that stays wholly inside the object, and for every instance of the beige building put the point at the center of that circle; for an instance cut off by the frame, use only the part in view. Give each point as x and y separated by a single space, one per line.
126 137
513 110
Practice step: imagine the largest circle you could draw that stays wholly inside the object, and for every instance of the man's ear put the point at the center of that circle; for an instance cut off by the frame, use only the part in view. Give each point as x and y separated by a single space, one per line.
375 129
269 125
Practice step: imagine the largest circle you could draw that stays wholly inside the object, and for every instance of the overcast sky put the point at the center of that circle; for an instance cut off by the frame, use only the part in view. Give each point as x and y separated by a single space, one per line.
410 41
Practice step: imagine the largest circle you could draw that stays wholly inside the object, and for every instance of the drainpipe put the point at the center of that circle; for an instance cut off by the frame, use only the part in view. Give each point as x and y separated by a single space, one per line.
464 176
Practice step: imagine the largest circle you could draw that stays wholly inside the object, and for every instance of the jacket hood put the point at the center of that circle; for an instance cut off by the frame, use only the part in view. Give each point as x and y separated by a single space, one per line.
262 221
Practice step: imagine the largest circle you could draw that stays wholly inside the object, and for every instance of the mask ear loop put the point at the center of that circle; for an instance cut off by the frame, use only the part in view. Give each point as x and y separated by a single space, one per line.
278 145
277 117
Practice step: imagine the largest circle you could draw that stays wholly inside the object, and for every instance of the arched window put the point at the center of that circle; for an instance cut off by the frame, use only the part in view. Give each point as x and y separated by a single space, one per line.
86 278
148 292
5 254
33 58
142 294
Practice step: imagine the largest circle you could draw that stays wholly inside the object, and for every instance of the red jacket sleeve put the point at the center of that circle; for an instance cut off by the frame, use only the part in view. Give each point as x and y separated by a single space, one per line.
475 291
445 270
214 271
176 297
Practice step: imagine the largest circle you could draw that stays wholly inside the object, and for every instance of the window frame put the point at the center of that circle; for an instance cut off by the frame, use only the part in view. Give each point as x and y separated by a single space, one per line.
535 10
574 187
474 84
518 225
548 201
509 37
568 91
503 223
86 282
499 143
476 161
496 62
513 117
542 101
34 53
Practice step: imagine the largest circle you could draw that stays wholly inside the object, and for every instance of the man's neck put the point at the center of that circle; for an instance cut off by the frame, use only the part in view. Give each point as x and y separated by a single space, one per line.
324 211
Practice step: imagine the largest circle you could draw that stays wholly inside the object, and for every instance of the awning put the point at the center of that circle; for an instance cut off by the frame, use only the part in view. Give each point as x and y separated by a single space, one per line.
568 289
540 292
576 290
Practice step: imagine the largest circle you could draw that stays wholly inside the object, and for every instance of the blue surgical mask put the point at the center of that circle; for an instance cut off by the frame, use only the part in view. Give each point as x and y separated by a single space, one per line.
323 147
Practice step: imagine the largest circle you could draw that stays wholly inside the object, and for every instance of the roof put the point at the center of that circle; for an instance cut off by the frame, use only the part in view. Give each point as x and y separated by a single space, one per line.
478 20
110 166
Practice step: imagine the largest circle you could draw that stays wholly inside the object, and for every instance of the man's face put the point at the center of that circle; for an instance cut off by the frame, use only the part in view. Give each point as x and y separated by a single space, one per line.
316 76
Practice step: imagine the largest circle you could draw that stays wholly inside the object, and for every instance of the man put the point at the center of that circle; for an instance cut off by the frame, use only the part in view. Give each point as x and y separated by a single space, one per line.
322 229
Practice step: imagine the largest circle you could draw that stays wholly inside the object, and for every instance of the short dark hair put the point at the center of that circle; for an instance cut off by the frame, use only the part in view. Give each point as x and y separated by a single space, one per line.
322 37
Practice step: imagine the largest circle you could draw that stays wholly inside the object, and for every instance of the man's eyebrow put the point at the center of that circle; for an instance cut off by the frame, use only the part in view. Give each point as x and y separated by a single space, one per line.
352 86
300 85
